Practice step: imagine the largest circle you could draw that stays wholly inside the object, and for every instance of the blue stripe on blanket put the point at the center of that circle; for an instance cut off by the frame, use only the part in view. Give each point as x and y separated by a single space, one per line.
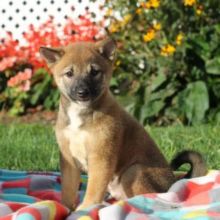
17 198
17 190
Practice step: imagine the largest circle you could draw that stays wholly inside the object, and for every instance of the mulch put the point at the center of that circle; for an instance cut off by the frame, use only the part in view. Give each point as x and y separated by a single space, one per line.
44 117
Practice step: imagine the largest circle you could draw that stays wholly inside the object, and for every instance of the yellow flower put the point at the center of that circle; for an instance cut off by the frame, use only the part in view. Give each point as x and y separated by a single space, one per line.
118 62
189 2
157 26
127 18
199 9
108 12
179 39
155 3
151 4
146 5
114 27
138 11
149 36
167 50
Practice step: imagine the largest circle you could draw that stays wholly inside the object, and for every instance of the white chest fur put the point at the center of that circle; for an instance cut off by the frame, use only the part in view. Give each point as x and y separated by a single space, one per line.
76 135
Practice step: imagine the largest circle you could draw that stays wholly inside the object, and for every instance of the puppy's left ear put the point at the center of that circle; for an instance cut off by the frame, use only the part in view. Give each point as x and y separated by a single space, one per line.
51 55
107 48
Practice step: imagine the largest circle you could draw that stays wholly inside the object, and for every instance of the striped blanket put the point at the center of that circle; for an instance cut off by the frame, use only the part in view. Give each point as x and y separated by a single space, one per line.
36 196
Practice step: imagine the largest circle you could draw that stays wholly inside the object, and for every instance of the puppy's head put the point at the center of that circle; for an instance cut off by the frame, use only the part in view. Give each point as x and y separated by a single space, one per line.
81 70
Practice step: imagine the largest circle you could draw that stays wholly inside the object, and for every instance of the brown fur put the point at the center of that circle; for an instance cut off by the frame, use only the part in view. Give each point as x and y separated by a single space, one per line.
100 137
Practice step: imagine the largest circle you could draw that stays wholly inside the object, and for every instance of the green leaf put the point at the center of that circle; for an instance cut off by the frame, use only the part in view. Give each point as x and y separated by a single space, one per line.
113 82
194 101
213 66
52 99
157 81
40 89
150 109
129 103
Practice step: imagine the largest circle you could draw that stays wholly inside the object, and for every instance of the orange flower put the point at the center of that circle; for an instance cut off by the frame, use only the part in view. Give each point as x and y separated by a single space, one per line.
148 5
167 50
114 27
179 39
138 11
149 36
155 3
126 19
157 26
199 9
189 2
151 4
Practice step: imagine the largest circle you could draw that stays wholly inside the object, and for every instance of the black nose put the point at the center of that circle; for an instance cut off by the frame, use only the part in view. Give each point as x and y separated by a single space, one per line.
82 92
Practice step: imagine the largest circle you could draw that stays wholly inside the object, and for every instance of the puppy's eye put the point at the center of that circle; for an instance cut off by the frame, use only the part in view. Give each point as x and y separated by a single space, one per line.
95 72
69 73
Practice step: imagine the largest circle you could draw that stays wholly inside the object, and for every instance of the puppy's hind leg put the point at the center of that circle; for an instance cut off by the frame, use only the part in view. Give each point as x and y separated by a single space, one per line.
140 179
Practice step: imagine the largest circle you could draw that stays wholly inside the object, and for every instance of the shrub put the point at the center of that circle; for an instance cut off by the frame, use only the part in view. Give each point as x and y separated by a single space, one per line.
168 65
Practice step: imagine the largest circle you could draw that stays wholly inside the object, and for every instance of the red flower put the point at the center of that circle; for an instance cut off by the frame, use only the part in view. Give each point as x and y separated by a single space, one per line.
22 80
48 34
7 62
25 86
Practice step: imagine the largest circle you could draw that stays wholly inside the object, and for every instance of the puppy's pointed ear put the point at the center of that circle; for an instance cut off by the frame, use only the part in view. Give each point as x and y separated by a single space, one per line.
51 55
107 48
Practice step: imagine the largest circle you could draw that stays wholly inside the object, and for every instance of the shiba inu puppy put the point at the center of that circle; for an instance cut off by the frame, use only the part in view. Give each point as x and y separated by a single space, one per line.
96 135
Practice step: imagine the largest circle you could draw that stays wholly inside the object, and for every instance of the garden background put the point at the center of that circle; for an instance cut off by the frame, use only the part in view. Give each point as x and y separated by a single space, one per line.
167 72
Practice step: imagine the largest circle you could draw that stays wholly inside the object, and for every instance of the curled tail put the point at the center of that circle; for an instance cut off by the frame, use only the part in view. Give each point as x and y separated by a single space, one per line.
197 163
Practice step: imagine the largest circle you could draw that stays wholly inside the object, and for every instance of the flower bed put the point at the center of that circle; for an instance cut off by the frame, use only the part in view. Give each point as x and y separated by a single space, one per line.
168 60
25 81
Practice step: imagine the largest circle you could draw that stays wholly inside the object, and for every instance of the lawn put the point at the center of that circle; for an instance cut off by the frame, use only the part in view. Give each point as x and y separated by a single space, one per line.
33 146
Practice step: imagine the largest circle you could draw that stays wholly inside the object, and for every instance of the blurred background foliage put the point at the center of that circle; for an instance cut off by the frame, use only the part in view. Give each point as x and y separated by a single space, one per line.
167 69
168 65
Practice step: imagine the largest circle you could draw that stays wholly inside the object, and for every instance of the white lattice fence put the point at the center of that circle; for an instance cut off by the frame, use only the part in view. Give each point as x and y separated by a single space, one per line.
17 15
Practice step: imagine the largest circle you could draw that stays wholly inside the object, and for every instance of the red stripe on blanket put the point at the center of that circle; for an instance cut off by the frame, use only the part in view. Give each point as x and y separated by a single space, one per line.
151 195
58 179
217 179
94 214
8 217
61 211
30 210
198 192
14 206
130 208
213 214
46 195
25 183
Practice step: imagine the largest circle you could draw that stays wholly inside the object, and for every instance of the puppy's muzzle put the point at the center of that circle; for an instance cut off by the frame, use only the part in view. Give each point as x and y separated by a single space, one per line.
82 93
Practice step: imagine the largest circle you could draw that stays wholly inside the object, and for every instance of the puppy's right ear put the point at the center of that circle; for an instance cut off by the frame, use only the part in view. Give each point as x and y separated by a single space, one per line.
51 55
107 48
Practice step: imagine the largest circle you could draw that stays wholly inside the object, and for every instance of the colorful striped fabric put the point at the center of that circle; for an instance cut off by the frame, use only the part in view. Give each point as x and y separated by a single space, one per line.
36 196
30 196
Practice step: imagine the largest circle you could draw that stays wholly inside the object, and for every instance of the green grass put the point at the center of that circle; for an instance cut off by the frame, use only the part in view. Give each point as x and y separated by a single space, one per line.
28 147
33 146
204 139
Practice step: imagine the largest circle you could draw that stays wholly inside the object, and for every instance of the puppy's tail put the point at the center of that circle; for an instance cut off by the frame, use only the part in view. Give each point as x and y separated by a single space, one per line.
197 163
